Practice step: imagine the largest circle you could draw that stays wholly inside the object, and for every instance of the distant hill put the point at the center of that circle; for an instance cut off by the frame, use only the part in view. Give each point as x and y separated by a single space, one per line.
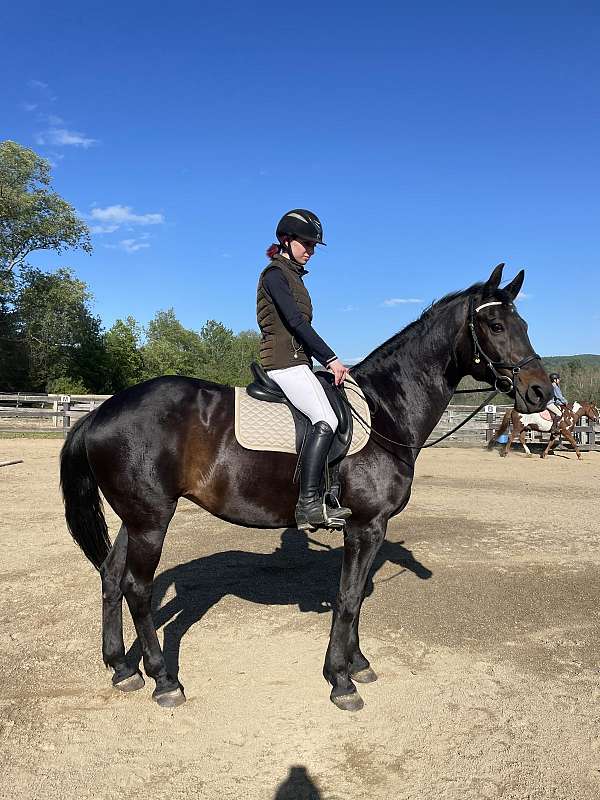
586 360
580 379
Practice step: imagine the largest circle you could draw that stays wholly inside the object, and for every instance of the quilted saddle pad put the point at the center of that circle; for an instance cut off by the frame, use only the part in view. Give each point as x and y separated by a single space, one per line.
260 425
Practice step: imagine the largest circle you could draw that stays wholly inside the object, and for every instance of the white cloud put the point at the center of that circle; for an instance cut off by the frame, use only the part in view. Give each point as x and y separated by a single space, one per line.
400 301
117 215
62 137
104 228
128 245
54 120
524 296
29 106
42 90
349 308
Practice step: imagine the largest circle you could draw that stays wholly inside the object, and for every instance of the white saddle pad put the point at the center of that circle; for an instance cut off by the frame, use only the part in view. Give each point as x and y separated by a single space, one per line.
260 425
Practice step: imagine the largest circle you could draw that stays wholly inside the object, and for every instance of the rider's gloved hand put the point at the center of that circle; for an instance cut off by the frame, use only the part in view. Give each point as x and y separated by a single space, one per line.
339 371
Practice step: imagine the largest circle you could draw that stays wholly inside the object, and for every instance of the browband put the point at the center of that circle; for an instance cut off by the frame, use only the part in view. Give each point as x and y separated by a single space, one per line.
492 303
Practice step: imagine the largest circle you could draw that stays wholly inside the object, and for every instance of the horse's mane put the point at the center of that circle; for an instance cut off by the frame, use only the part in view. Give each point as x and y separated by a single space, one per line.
422 326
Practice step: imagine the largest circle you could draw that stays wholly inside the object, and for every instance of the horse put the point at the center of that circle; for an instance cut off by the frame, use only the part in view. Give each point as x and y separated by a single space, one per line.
537 422
173 437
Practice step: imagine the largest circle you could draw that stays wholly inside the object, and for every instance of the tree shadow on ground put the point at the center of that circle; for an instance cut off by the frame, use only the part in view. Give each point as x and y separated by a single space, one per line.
294 574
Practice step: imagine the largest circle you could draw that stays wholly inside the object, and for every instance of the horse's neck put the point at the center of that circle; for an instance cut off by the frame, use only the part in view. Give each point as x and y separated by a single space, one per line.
413 376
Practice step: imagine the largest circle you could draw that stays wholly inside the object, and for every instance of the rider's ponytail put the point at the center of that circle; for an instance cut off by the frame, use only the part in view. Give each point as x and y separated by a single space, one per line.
273 249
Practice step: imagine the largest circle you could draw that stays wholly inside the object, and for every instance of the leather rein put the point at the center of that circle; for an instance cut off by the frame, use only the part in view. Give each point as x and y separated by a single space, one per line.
510 384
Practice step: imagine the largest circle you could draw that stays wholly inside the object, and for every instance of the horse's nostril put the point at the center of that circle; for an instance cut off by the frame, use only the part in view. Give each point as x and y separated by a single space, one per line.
536 394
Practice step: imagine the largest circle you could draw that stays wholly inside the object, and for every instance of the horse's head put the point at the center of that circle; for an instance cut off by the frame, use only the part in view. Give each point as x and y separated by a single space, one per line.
501 352
589 410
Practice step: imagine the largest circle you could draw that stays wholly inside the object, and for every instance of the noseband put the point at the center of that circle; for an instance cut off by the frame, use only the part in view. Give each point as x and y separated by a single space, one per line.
502 383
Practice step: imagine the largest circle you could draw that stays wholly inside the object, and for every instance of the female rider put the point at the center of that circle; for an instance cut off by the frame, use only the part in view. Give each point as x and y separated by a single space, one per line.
288 343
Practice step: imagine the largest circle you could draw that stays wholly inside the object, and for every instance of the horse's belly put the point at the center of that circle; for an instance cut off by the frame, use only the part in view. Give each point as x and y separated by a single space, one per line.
529 420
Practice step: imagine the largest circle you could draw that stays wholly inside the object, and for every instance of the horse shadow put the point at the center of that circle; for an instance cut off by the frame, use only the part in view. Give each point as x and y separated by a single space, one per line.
294 574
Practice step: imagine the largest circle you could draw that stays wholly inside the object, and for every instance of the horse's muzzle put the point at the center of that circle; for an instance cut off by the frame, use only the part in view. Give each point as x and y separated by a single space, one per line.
532 395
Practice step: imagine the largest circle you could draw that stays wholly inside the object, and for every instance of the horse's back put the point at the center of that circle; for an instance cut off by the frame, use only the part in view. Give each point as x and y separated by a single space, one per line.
139 437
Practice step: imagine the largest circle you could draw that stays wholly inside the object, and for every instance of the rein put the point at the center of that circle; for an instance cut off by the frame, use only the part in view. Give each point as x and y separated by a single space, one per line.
372 430
509 386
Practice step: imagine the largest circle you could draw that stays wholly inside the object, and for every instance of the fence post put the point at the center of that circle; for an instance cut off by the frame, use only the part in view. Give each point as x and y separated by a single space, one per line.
490 416
65 399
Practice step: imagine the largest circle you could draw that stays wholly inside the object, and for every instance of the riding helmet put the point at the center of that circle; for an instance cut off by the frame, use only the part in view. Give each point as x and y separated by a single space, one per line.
554 376
300 224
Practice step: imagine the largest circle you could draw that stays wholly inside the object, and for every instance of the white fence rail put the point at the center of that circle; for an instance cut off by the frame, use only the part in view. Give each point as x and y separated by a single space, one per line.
44 413
38 413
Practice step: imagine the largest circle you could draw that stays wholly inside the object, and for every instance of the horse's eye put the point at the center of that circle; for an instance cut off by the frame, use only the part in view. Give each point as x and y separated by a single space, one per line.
497 327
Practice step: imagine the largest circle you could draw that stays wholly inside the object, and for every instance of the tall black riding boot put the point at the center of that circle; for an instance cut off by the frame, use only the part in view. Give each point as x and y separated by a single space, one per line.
311 511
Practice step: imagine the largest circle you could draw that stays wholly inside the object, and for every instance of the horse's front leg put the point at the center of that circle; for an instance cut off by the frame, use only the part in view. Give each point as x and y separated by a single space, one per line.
571 438
343 656
552 442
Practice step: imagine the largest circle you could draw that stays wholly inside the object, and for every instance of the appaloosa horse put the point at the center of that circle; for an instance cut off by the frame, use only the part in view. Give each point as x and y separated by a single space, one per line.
521 423
174 437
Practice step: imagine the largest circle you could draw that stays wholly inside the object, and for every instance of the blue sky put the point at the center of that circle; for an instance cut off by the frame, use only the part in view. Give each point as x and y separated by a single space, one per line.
434 140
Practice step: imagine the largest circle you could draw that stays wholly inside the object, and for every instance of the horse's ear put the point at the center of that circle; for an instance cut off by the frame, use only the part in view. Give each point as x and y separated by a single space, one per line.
493 282
514 287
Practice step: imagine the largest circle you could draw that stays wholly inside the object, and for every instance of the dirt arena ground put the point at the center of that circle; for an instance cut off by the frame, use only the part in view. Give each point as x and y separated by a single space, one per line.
483 627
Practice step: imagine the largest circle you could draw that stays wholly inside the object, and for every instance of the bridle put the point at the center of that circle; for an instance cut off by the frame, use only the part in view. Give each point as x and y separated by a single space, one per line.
509 381
494 366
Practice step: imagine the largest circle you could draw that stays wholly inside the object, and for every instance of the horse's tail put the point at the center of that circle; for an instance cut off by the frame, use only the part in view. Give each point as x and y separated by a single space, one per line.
83 506
503 427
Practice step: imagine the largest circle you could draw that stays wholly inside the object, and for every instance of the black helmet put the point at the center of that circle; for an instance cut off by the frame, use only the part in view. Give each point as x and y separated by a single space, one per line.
554 376
300 224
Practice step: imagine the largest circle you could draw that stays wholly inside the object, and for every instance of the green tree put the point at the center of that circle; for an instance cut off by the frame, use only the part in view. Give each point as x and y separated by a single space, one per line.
246 350
32 216
63 340
123 348
170 348
13 358
218 348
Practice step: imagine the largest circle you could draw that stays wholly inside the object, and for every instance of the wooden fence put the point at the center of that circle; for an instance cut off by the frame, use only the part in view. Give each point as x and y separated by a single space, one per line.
23 412
483 426
35 413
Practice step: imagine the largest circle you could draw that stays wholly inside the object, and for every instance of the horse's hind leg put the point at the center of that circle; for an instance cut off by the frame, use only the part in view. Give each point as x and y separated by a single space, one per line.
143 554
126 678
524 443
507 446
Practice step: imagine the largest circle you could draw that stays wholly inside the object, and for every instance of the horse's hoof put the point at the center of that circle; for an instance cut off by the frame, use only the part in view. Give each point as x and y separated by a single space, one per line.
367 675
529 455
130 684
348 702
170 699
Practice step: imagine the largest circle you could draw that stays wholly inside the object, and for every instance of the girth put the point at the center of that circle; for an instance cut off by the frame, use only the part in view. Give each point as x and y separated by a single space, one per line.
264 388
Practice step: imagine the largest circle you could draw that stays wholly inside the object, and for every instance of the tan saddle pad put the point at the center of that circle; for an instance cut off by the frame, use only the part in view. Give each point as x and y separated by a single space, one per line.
260 425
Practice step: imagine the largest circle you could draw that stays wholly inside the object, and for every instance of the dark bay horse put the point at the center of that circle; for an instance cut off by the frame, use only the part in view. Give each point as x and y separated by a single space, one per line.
174 437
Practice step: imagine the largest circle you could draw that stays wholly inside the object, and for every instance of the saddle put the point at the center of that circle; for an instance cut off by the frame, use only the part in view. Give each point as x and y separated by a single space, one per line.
263 388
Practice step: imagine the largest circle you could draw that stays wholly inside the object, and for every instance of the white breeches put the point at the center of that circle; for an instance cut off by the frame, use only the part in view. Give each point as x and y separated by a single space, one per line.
303 390
554 409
